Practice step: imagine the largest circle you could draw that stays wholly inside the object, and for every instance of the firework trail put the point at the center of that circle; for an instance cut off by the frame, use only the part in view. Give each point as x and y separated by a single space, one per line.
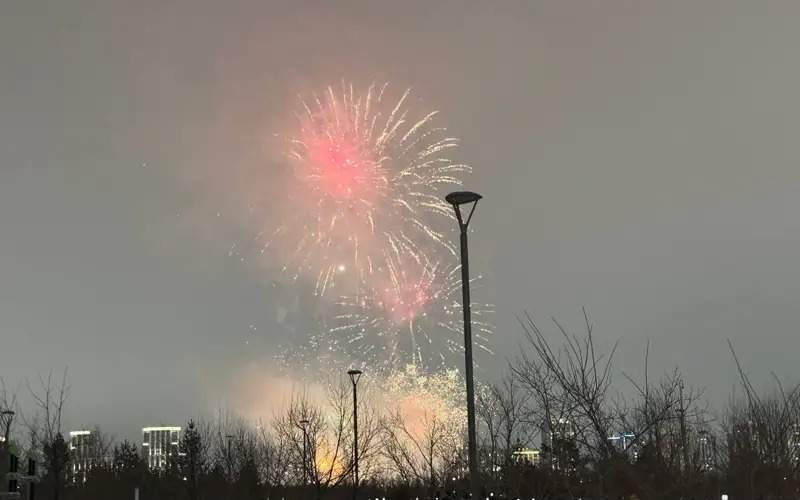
365 187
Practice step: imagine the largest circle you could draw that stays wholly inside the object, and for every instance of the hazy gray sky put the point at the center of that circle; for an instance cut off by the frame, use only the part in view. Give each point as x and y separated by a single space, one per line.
637 158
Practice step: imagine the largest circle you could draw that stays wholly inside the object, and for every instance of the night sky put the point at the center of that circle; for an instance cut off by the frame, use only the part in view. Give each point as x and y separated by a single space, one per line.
639 159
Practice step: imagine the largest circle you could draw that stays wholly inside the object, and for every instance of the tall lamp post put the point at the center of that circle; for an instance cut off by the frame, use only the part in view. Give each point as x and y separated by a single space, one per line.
354 376
457 199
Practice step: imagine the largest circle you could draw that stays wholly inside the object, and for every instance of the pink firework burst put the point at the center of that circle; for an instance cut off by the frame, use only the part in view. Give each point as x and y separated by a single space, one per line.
367 185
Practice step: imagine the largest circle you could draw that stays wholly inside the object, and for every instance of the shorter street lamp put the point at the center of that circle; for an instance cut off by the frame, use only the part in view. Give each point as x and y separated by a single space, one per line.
303 423
355 375
229 438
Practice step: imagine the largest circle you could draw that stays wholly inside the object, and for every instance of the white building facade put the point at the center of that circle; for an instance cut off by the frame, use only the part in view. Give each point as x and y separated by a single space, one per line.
159 444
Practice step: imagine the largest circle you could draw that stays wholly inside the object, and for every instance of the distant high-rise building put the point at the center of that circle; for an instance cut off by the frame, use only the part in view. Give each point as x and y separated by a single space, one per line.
794 442
559 444
742 438
83 453
625 443
527 456
707 449
158 444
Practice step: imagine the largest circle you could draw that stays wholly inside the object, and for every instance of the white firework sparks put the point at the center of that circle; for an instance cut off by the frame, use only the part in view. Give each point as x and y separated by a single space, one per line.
416 318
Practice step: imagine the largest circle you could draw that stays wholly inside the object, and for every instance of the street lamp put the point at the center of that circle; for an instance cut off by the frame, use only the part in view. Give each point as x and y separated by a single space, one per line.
354 376
229 438
457 199
303 423
8 416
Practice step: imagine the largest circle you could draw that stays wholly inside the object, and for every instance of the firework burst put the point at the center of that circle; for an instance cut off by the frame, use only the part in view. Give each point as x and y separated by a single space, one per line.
415 318
365 187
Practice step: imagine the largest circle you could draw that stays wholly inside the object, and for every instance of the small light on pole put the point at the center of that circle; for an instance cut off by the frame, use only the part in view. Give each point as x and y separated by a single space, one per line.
457 199
355 375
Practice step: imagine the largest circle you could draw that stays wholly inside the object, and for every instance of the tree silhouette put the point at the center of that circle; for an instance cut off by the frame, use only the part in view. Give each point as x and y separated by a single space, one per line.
192 459
57 458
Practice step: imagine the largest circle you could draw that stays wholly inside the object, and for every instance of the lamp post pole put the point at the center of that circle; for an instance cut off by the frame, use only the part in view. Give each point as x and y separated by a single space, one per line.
355 375
456 200
228 439
303 423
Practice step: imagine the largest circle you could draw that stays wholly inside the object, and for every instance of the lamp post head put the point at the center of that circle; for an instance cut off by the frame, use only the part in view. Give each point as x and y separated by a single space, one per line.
459 198
303 422
354 375
462 197
7 417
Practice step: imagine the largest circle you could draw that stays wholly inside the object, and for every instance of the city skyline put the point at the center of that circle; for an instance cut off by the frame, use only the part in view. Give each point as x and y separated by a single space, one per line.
637 160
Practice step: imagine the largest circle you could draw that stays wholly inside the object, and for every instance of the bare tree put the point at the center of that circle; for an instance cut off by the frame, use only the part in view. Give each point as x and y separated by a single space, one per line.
8 402
585 420
328 434
490 421
293 429
576 378
49 397
503 411
661 429
101 446
415 453
763 437
329 441
274 458
512 404
45 430
229 443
